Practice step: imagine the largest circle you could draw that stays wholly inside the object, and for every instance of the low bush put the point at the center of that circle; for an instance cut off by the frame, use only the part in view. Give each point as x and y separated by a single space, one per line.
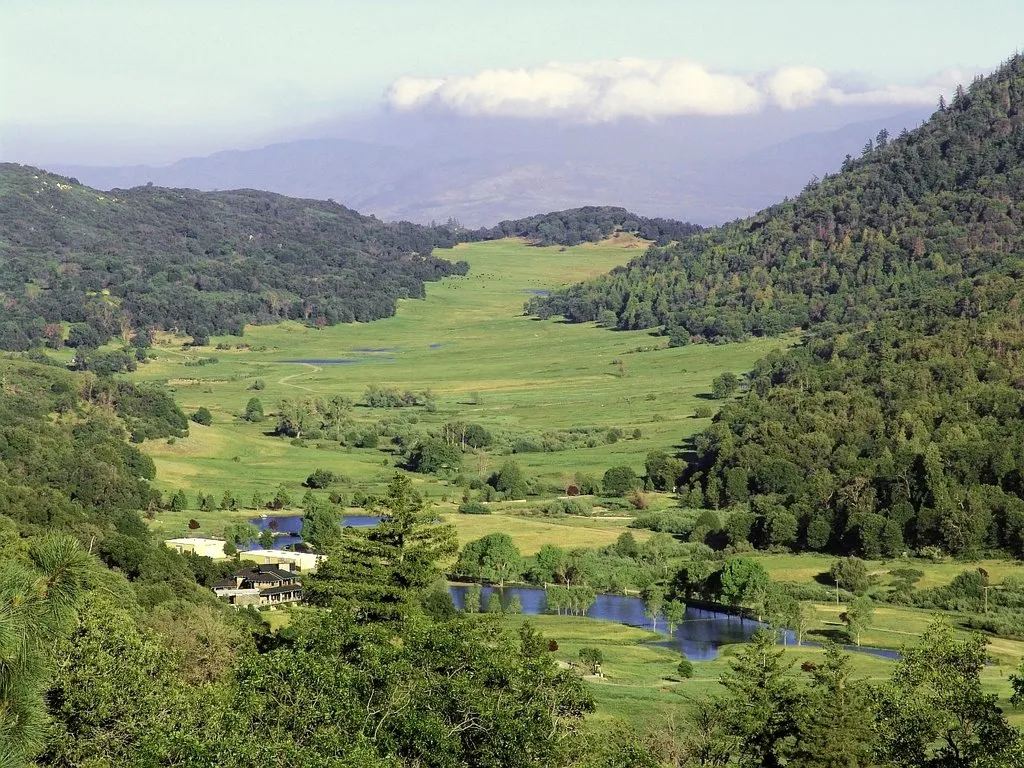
473 508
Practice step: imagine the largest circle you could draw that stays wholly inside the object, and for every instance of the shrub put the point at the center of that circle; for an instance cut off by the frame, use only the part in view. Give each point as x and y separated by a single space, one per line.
254 410
568 507
685 669
618 481
592 657
638 499
852 574
203 416
193 524
910 575
320 478
572 490
703 412
473 508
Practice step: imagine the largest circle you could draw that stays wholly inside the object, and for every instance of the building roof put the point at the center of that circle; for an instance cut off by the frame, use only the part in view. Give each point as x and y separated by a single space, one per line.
264 573
281 590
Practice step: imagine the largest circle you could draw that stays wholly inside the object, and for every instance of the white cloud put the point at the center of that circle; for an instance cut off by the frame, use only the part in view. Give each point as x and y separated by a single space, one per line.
606 90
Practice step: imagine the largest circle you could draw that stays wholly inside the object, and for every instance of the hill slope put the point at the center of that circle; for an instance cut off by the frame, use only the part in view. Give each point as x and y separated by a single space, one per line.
201 262
901 423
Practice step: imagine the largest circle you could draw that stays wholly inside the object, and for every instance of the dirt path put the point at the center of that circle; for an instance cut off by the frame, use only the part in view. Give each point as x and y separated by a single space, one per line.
287 380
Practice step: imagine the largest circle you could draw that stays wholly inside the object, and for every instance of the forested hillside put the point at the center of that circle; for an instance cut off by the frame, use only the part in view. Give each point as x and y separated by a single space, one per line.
903 225
202 263
587 224
80 266
900 423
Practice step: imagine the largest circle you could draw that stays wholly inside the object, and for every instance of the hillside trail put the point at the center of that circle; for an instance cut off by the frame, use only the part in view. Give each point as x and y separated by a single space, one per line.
286 381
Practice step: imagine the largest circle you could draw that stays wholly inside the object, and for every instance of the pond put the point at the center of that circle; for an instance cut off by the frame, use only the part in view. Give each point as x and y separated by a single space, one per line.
289 527
699 637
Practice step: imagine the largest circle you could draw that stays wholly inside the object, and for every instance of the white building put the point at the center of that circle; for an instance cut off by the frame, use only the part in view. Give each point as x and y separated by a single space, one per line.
294 561
213 548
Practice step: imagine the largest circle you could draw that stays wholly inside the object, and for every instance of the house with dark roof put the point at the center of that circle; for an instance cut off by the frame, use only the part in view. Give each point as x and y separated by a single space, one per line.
260 585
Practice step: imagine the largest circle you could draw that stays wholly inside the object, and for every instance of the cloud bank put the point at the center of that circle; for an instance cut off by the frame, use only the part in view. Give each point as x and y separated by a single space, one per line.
602 91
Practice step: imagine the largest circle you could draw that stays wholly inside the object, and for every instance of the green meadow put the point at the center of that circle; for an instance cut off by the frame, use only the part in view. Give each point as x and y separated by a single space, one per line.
641 684
484 362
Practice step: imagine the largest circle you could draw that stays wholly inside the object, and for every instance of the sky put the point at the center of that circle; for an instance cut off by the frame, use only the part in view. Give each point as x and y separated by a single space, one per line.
110 81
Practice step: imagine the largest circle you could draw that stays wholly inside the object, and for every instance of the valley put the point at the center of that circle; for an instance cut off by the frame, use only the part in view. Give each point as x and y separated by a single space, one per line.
483 360
486 363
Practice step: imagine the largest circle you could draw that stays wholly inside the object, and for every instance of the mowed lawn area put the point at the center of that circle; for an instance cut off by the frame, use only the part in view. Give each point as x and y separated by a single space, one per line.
471 346
641 683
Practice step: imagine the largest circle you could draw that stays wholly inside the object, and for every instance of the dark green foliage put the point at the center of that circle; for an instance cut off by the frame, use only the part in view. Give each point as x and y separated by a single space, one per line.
434 456
898 424
147 410
618 481
510 480
560 507
685 669
494 557
320 478
204 262
672 521
663 471
587 224
851 573
592 658
762 708
38 602
253 410
724 385
387 397
473 508
381 572
321 528
934 711
203 416
179 501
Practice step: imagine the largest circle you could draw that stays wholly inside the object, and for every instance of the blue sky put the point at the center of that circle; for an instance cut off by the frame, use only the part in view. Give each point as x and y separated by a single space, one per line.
166 75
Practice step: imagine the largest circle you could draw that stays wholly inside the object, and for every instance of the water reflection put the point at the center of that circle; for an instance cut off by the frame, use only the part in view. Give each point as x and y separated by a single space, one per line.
289 527
699 637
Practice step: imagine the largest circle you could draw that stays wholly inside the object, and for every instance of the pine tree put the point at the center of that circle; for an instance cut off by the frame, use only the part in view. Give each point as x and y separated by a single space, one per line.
379 573
837 732
763 706
37 606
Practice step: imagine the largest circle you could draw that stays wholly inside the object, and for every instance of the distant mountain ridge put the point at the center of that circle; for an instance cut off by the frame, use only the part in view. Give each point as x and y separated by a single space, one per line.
483 172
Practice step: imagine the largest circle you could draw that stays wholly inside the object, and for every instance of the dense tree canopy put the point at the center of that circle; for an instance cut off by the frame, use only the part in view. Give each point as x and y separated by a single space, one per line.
587 224
199 262
898 424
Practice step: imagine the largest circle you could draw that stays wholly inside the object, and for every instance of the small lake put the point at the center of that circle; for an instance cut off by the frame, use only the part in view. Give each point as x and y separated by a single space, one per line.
289 527
699 637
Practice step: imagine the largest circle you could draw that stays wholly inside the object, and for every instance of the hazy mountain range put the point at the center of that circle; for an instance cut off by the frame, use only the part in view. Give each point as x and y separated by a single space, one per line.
429 167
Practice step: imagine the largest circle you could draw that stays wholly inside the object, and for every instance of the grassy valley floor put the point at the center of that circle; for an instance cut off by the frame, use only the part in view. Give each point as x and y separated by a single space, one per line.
484 361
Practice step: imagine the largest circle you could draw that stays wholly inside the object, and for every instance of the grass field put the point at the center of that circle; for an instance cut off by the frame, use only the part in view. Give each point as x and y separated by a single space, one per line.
486 363
470 344
806 567
641 684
